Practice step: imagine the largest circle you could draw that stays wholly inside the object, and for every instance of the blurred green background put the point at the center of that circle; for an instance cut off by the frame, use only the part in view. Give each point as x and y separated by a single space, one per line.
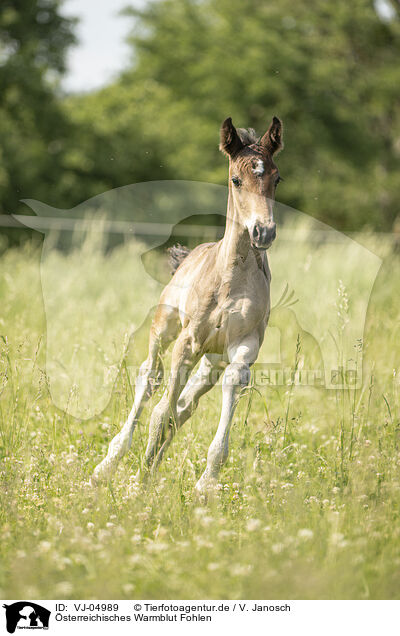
330 70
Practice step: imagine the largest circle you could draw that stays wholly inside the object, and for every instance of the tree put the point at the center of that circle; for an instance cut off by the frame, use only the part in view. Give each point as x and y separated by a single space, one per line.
329 70
34 38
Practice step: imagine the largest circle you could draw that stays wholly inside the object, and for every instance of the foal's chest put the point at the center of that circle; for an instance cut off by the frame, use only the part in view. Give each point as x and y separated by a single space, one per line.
242 306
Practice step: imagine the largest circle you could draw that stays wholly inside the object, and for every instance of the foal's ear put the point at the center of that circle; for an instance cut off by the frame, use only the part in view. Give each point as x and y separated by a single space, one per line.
272 140
230 142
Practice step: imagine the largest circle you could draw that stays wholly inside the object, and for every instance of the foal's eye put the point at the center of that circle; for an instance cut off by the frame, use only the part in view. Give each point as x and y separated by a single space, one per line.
236 181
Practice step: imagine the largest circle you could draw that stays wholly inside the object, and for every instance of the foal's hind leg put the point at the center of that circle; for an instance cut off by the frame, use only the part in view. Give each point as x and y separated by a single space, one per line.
208 373
184 357
163 331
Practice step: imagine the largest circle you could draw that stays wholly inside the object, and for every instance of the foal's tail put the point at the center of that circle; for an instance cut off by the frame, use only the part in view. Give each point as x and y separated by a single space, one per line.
177 254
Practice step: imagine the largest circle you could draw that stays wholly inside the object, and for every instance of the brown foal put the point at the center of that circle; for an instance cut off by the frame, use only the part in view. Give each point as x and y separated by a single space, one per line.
216 308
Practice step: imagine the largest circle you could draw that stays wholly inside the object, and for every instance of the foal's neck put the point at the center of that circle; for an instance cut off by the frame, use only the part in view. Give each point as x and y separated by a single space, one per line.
235 244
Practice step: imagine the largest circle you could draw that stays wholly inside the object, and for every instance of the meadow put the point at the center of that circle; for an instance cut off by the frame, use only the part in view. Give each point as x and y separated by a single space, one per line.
308 502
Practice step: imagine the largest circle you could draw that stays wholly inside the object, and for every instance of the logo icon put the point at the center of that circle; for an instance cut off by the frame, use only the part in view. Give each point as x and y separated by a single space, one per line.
26 615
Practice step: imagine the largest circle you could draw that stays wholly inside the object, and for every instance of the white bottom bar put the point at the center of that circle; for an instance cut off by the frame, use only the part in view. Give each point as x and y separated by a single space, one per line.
180 617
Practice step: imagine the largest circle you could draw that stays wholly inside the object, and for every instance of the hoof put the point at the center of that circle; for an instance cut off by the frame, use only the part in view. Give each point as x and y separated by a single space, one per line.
100 475
206 486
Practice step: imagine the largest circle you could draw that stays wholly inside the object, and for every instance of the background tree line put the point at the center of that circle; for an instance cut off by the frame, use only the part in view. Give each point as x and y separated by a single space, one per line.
330 70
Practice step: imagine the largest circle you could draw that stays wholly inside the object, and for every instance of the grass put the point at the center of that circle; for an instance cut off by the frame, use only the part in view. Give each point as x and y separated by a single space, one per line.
308 504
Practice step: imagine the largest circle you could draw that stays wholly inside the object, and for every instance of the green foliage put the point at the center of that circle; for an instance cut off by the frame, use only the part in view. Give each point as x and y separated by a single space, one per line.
330 70
33 129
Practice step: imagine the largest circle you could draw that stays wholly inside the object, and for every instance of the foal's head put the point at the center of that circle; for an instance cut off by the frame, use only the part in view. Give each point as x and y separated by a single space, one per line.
253 178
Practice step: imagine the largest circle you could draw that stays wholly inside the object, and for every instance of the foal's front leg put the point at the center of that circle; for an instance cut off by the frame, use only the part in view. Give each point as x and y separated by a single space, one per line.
236 377
148 380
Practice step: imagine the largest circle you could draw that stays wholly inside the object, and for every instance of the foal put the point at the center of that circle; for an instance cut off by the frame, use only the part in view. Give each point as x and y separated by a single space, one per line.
216 307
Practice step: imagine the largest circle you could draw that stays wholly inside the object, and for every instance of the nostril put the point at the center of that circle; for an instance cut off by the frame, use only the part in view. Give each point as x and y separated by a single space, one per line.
263 234
256 232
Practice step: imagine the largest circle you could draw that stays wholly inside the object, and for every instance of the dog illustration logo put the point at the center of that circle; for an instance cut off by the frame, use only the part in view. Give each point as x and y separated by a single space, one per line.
26 615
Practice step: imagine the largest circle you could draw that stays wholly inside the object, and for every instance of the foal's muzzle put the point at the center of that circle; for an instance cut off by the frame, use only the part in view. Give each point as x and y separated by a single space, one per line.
263 235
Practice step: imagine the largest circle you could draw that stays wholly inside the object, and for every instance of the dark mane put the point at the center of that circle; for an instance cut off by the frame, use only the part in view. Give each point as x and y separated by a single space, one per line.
248 136
177 253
